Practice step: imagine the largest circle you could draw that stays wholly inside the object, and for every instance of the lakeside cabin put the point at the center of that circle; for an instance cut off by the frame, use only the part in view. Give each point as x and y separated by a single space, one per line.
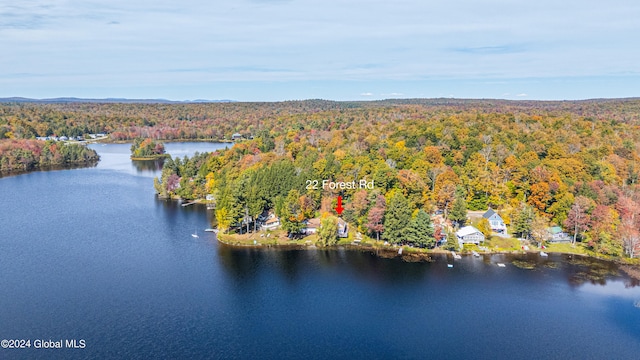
272 222
311 226
496 222
556 235
343 229
469 235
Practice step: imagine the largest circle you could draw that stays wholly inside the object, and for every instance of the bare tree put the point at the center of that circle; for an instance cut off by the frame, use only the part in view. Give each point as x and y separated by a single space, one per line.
433 173
486 153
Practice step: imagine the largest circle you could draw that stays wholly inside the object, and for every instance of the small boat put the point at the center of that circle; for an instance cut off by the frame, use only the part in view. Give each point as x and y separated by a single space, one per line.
449 265
211 230
195 234
501 265
400 251
475 253
543 254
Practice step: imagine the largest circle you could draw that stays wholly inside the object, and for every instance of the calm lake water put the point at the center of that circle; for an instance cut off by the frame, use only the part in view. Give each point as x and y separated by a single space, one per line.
92 254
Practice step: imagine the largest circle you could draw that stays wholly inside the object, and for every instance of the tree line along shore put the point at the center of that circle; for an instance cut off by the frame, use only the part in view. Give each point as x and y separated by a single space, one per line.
568 164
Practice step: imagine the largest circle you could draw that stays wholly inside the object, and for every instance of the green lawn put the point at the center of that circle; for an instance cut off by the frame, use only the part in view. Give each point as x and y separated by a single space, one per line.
568 248
503 244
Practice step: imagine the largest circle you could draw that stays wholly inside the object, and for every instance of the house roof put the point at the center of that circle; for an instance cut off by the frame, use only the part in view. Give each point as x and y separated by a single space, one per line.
467 230
272 220
313 223
489 213
555 230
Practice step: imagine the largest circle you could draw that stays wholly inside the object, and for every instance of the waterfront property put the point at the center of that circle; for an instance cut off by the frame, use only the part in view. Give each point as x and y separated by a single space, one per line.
272 222
496 222
144 280
311 226
557 235
469 235
343 229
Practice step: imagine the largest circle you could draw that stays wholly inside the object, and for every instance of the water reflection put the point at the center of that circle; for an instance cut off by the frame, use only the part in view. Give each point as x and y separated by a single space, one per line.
242 264
91 164
148 165
292 264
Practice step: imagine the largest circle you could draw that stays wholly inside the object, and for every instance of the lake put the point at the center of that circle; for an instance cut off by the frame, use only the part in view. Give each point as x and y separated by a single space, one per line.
92 254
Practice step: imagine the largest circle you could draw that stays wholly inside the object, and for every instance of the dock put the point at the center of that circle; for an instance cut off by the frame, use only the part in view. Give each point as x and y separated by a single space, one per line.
189 203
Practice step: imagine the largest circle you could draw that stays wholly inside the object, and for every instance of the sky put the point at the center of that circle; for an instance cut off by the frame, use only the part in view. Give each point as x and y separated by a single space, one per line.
272 50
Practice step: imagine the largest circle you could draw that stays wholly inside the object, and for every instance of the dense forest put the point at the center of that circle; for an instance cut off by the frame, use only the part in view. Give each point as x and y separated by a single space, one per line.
26 155
572 164
147 149
217 121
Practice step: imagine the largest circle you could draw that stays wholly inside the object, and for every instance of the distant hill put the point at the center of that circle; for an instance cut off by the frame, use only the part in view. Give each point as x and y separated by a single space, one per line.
107 100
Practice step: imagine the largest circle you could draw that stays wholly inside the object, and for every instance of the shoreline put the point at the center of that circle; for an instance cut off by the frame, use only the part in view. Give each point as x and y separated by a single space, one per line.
149 158
129 141
630 267
58 167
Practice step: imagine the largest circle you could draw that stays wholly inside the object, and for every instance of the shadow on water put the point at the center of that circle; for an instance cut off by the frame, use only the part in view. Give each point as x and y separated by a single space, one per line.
289 264
241 264
244 264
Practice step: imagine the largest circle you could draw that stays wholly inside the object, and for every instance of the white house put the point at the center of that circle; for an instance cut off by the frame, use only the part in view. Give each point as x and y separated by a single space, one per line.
343 229
311 226
469 235
273 222
496 222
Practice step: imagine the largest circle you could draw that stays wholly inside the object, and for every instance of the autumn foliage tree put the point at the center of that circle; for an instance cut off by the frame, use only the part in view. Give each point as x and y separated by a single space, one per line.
579 216
630 225
375 219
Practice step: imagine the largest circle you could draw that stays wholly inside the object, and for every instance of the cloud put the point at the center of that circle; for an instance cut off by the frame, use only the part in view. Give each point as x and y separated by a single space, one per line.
491 50
522 95
328 41
366 94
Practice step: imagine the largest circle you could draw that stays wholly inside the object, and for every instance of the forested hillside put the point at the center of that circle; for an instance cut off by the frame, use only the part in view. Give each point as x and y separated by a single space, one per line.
573 164
26 155
219 120
538 170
